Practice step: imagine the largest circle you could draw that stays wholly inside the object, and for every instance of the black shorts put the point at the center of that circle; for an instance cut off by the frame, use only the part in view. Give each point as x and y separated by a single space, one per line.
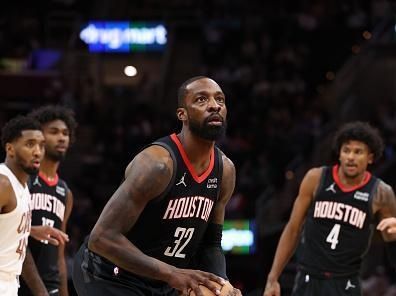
96 276
307 285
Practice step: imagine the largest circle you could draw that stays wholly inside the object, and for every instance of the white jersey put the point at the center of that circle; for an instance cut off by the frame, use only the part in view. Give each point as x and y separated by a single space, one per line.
14 228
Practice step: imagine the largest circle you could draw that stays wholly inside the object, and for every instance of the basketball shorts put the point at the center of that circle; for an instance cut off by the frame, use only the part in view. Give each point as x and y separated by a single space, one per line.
306 284
93 275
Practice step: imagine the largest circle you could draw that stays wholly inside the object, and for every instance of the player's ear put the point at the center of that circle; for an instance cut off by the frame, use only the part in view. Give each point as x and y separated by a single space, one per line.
181 114
370 158
10 149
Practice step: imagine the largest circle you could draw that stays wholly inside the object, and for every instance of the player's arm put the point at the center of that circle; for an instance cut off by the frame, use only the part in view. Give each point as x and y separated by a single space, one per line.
146 177
6 193
31 276
290 235
210 256
384 207
63 291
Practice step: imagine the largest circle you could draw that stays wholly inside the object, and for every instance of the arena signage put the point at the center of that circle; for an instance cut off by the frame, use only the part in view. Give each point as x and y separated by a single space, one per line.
124 36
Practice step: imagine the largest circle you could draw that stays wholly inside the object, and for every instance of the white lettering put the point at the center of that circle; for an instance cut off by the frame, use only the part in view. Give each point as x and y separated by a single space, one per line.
49 203
340 212
189 207
117 37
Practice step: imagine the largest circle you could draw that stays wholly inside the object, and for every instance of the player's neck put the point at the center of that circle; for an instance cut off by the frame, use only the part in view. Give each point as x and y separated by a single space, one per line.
18 172
197 149
49 168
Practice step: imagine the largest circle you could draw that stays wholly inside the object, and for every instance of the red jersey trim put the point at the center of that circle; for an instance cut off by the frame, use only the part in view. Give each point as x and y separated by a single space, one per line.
187 162
49 182
366 179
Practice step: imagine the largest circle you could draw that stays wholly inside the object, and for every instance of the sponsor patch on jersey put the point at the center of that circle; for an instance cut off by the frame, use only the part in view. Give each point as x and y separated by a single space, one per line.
212 183
60 190
363 196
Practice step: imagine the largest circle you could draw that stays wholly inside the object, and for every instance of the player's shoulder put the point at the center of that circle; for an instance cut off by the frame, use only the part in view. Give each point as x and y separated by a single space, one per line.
228 166
5 182
315 173
227 162
156 154
384 196
153 159
384 188
6 190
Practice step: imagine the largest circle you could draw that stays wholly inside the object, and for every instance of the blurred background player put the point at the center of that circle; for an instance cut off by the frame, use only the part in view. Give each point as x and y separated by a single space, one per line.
51 200
334 211
24 145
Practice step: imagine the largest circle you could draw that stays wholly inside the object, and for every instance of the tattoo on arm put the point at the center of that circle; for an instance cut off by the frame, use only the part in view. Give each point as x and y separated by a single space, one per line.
384 206
146 178
384 201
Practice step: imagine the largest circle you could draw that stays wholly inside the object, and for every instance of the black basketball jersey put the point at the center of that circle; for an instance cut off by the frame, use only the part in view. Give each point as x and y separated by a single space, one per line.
337 230
48 203
171 226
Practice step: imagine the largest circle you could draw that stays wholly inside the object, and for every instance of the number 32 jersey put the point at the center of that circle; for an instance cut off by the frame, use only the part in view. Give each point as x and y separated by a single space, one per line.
171 226
337 230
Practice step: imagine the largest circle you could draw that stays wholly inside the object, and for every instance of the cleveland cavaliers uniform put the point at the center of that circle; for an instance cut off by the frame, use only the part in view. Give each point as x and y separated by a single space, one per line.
48 203
14 233
170 228
336 236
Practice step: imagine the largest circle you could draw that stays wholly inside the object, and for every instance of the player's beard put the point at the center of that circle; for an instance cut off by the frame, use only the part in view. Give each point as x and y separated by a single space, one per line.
54 155
30 170
207 131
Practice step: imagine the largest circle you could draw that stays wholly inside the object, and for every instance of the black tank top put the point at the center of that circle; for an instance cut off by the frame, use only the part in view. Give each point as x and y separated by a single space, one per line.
337 230
48 203
171 226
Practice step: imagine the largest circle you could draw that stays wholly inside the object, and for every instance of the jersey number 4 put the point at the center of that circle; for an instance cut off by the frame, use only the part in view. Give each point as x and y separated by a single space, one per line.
183 237
332 238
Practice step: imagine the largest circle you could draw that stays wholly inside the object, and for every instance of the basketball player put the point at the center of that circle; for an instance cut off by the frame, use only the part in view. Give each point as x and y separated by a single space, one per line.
169 208
51 202
335 208
24 145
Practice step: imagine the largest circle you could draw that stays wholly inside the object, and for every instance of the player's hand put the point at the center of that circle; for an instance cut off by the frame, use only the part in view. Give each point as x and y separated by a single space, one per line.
187 280
388 225
47 233
272 289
